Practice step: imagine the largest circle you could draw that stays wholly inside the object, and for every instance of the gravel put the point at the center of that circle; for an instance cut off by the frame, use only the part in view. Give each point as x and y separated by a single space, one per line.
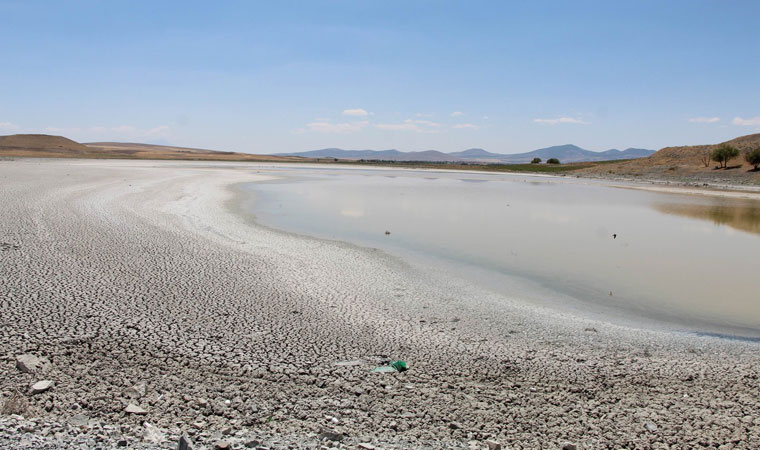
144 284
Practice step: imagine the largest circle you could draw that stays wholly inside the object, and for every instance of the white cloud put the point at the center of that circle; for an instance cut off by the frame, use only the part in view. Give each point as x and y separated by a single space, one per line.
751 122
417 125
358 112
159 130
121 129
559 120
468 126
423 115
7 126
704 119
329 127
457 114
406 126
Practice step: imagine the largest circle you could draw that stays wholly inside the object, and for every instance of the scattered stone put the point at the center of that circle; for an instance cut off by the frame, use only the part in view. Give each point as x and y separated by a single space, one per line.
134 409
331 435
79 420
650 426
569 447
152 434
365 446
122 443
252 443
41 386
184 443
493 445
137 391
222 445
454 425
28 363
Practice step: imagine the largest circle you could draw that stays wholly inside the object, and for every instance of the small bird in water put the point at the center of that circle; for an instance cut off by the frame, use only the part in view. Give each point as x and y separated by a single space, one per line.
387 233
614 236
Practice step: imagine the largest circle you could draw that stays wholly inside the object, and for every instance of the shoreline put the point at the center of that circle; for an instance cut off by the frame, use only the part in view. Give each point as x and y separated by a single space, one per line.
206 308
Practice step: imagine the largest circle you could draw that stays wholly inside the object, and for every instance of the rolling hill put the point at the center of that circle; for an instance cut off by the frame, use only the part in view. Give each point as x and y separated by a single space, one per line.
47 146
565 153
686 162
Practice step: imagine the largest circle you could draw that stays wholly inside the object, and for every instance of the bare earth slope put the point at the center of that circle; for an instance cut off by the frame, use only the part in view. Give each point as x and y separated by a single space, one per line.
684 164
46 146
123 272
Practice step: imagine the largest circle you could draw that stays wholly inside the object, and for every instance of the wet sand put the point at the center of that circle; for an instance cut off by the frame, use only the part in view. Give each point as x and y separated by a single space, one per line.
121 273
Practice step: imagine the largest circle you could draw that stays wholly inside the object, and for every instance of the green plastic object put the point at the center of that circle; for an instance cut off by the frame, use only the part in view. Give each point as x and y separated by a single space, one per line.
395 366
399 365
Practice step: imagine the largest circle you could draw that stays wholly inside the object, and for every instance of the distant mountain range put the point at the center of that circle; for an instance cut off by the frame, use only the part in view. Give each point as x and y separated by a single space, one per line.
565 153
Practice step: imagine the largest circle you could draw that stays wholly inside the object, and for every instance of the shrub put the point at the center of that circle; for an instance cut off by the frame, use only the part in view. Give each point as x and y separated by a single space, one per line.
753 157
535 161
724 154
552 161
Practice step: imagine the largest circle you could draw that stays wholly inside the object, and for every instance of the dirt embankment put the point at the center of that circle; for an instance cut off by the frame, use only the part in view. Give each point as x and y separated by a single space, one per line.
685 165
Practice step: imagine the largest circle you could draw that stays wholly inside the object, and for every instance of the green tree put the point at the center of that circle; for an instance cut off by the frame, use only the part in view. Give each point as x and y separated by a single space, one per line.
753 157
536 161
552 161
723 154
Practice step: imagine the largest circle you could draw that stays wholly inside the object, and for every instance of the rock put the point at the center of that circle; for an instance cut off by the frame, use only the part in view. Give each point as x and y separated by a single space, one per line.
122 443
137 391
28 363
650 426
134 409
331 435
152 434
454 425
184 443
79 420
493 445
252 443
41 386
365 446
222 445
569 447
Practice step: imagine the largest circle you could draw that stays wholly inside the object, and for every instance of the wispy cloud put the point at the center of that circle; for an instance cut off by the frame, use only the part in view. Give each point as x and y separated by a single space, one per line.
560 120
457 114
466 126
8 126
750 122
358 112
329 127
417 125
704 119
423 115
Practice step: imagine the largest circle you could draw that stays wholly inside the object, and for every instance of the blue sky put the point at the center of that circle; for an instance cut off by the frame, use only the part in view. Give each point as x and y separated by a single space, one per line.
279 76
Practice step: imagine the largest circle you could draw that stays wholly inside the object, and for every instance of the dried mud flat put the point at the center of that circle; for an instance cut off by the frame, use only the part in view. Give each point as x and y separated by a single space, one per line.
156 308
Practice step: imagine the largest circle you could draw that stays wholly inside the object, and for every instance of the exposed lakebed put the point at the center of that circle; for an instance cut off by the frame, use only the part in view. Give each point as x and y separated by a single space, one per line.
683 259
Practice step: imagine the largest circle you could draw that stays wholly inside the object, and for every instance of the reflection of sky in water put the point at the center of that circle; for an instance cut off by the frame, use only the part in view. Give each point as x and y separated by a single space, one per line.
673 253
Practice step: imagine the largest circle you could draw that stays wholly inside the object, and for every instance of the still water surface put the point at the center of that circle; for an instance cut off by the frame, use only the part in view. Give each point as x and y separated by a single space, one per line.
684 258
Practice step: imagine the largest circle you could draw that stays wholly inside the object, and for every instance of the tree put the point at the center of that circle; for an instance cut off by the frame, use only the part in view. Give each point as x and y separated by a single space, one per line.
552 161
724 154
706 158
536 161
753 157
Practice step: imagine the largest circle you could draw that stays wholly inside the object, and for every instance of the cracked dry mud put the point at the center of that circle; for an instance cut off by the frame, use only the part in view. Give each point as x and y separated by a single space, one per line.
147 288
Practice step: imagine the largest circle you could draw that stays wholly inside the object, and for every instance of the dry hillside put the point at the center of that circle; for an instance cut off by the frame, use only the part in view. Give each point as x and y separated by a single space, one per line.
45 146
685 164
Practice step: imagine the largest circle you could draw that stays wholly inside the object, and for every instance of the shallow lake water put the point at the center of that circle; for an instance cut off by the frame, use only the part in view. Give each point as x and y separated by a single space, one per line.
686 259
